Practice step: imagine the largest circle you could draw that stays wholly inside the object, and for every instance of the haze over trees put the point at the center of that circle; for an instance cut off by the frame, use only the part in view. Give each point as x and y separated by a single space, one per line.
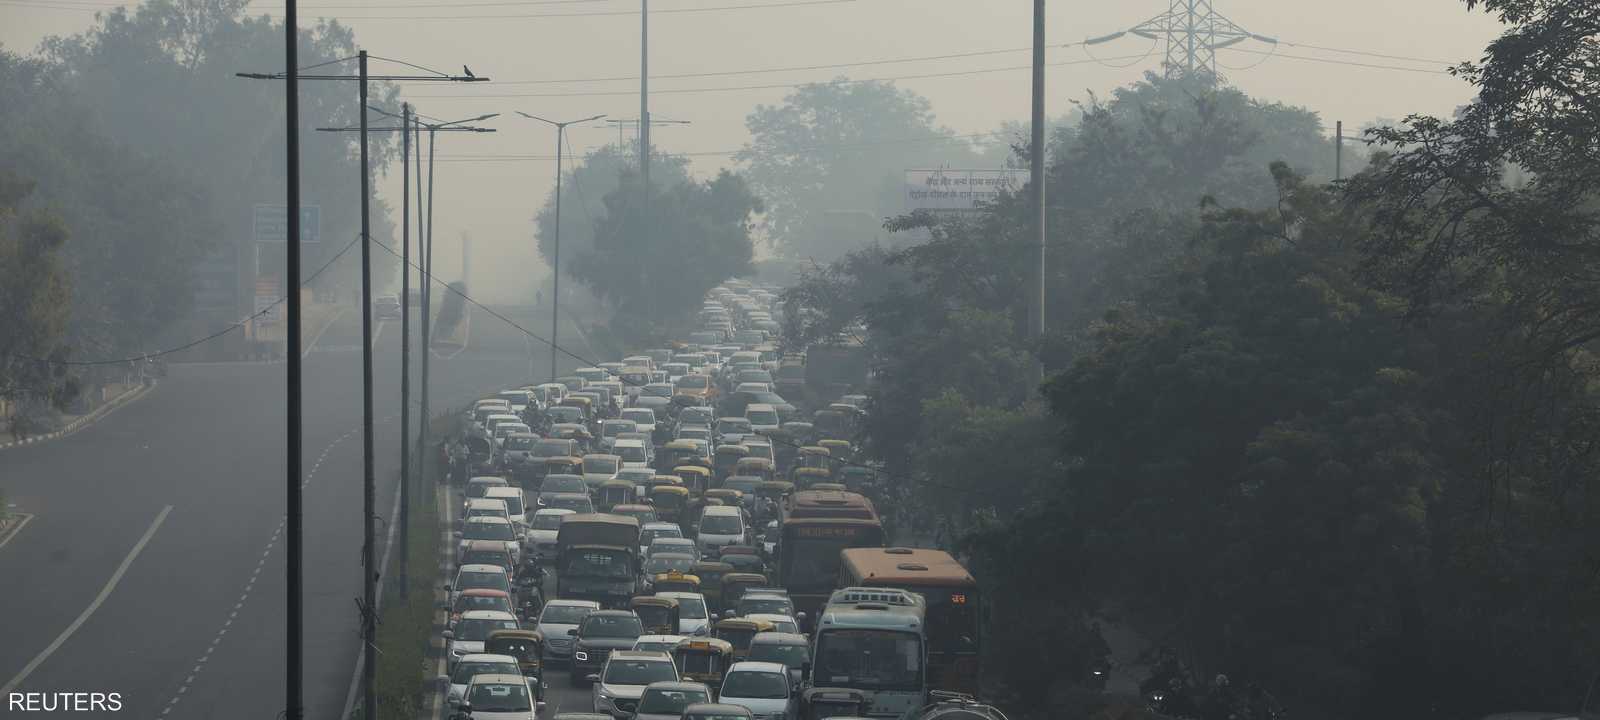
1334 440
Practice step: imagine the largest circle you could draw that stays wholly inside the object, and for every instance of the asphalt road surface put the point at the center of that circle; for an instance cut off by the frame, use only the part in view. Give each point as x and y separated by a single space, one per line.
154 565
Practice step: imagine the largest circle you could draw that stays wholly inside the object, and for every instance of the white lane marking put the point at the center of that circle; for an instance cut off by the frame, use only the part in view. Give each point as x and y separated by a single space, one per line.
307 352
383 565
15 529
105 592
376 333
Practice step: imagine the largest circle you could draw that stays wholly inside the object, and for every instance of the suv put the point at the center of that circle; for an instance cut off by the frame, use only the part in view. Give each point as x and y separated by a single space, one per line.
558 617
619 684
601 632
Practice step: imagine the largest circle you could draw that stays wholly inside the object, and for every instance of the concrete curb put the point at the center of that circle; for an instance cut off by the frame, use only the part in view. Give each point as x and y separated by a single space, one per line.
84 421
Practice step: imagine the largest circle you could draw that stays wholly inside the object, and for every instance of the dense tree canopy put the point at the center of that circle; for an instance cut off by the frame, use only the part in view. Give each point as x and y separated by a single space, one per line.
585 186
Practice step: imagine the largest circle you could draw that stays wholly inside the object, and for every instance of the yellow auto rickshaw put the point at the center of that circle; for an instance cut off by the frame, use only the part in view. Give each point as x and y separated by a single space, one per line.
582 403
679 452
613 493
807 478
527 646
726 460
837 487
756 466
814 456
728 496
658 615
738 631
563 466
642 513
703 660
670 501
735 583
839 450
697 479
856 477
775 490
710 574
676 582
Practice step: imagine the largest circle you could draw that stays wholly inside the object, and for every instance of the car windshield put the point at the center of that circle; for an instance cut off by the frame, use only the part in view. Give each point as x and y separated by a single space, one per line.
553 448
564 614
486 557
547 522
763 417
771 605
513 503
493 581
691 607
868 659
721 525
657 701
612 626
639 672
598 564
791 655
648 535
519 442
733 425
500 697
644 416
694 416
600 465
615 427
488 531
665 563
465 670
632 453
576 503
694 433
694 382
478 629
564 414
563 484
467 603
756 685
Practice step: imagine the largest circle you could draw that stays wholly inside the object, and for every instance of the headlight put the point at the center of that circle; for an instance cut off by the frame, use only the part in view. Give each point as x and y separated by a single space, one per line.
579 655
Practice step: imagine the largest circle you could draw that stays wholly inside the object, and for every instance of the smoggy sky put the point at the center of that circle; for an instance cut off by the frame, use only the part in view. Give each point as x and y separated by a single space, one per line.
493 200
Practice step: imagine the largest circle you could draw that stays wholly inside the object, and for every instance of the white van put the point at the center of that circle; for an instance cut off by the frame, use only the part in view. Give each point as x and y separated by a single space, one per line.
719 525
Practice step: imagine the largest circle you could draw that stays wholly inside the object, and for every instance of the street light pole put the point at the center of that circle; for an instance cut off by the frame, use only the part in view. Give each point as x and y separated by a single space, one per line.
1036 179
369 499
294 692
555 265
405 346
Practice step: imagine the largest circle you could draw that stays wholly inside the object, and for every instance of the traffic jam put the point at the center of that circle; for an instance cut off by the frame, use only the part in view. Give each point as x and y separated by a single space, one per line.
669 533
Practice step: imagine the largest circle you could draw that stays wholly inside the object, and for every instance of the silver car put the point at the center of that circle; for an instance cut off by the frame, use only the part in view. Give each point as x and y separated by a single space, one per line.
559 616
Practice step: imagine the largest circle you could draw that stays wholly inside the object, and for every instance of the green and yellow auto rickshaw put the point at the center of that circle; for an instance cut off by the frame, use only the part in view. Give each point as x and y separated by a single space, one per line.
725 460
738 631
696 478
856 477
839 451
658 615
563 466
807 478
756 466
678 452
703 660
612 493
814 456
735 583
527 646
675 582
670 501
710 574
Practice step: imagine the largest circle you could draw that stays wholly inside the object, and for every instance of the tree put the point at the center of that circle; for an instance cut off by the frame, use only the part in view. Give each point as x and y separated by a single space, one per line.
655 268
840 147
584 189
34 299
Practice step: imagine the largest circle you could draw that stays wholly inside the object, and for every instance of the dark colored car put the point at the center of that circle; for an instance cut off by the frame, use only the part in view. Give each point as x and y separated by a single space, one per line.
601 632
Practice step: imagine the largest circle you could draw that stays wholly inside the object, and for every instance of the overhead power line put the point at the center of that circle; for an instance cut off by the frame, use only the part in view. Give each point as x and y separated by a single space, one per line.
206 338
1335 61
111 4
975 138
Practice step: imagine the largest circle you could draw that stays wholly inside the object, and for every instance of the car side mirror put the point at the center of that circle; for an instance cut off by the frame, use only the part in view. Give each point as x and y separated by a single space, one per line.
465 707
592 677
447 586
449 635
457 533
800 616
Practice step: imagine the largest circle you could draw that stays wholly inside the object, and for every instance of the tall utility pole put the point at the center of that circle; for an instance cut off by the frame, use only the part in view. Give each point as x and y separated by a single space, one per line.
1194 32
369 500
555 263
644 101
405 345
294 693
1036 179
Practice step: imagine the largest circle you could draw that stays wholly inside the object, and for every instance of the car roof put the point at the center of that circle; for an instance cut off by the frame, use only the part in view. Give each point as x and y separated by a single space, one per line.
498 679
679 595
565 602
490 519
721 510
661 638
498 545
672 541
481 592
555 511
503 490
678 685
487 615
779 638
652 655
486 657
613 613
759 666
660 526
717 709
685 556
772 617
480 568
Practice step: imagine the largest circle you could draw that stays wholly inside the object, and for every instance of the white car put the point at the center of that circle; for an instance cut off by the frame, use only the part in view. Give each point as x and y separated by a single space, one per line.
693 618
610 429
763 418
763 687
507 429
598 468
499 697
676 545
476 664
658 643
542 532
478 575
634 453
559 616
494 420
781 623
516 504
518 398
644 419
488 527
469 633
649 531
720 525
624 677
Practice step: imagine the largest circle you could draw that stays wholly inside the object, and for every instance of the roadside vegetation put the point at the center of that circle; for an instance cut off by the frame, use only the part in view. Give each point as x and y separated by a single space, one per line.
1331 439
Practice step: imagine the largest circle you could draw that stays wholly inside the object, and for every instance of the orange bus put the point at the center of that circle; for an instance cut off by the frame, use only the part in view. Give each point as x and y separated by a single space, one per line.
815 526
953 619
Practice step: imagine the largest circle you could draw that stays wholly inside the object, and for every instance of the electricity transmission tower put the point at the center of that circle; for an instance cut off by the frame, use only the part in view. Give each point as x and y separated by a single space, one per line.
1193 31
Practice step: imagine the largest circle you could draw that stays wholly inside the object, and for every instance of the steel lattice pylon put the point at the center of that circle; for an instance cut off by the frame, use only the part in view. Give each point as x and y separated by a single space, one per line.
1193 31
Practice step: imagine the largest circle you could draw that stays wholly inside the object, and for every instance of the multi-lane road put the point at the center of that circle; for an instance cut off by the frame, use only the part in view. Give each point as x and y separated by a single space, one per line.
154 564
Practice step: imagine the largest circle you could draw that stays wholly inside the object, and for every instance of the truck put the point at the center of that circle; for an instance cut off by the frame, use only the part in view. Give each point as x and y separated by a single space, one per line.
597 558
835 368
